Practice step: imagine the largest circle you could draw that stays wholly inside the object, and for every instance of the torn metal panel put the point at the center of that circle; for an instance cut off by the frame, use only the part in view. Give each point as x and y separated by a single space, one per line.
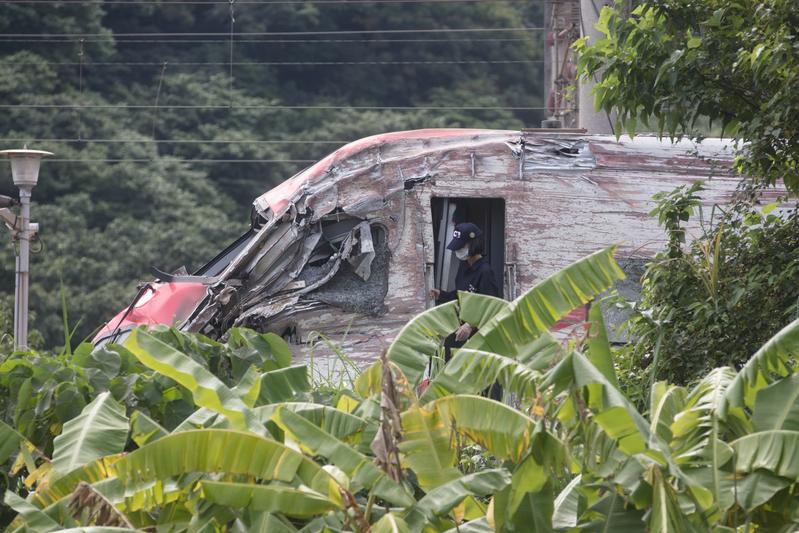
361 260
274 248
322 202
273 308
556 154
291 271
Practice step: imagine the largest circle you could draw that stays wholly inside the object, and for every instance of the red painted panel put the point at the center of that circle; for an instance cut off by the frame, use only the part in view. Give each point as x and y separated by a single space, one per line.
166 303
578 316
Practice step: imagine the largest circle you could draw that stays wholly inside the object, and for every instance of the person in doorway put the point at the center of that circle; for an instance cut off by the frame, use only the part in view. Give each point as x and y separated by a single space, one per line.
474 275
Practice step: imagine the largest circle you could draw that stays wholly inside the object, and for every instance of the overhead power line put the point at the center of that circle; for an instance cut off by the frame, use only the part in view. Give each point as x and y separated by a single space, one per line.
226 35
168 159
278 41
175 141
275 63
271 107
254 2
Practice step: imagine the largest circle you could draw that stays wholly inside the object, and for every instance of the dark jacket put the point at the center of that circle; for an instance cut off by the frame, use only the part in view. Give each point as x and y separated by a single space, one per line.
477 278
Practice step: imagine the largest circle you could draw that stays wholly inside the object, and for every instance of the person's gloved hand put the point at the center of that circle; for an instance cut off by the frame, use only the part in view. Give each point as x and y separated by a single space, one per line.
463 332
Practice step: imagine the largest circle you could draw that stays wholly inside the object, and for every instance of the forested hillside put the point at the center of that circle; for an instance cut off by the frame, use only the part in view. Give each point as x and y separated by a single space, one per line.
168 117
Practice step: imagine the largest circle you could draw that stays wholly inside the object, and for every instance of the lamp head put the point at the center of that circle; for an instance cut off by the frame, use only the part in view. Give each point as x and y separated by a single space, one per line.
25 166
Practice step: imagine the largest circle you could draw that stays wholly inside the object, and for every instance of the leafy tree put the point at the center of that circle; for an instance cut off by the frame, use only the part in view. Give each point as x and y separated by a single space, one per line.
667 63
713 301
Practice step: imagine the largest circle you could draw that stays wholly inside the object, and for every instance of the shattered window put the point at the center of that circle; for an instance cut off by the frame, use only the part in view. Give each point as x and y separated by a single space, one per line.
301 264
218 263
361 282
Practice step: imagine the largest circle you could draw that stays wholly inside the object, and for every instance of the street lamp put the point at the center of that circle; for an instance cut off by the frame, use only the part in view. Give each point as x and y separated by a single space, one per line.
25 173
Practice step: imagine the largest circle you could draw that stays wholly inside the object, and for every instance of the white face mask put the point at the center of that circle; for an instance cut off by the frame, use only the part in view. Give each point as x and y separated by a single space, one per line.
463 253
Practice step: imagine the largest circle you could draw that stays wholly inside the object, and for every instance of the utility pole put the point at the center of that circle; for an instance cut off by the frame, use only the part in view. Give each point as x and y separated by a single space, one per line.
590 119
562 22
25 173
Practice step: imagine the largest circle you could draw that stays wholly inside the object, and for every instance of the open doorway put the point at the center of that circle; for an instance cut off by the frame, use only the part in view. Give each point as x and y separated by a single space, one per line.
488 214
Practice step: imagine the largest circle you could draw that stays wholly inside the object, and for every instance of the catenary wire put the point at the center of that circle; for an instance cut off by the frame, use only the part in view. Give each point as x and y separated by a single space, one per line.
276 63
226 35
175 141
275 107
280 41
168 159
257 2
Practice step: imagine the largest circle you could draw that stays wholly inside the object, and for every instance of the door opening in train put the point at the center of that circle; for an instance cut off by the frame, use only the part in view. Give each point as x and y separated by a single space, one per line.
488 214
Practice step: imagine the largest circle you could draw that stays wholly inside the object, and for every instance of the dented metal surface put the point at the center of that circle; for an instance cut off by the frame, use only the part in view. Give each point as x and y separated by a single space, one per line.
345 250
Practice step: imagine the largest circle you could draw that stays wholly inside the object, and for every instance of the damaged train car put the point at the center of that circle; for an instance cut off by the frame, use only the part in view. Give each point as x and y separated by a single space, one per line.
348 249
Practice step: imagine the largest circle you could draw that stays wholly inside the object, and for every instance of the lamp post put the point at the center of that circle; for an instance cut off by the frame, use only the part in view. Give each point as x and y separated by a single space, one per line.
25 173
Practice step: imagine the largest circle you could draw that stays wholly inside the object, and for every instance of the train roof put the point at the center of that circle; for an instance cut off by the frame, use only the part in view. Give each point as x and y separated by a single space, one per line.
536 150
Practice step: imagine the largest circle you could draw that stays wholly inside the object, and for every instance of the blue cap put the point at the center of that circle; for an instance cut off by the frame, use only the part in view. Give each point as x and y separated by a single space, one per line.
463 233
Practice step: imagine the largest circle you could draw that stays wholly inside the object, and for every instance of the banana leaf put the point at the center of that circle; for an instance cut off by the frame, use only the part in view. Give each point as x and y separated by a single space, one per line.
284 384
770 359
222 451
269 349
567 505
427 448
758 488
99 529
774 451
696 438
294 503
370 381
98 470
666 403
444 498
362 472
541 353
522 510
420 339
665 515
528 477
618 417
540 308
612 514
478 309
472 371
248 389
334 421
144 429
390 523
10 439
599 352
260 521
101 429
200 419
35 520
500 429
208 391
777 406
479 525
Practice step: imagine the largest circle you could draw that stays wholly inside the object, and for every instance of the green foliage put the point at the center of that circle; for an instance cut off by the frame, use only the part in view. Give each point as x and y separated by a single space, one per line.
669 63
570 453
716 300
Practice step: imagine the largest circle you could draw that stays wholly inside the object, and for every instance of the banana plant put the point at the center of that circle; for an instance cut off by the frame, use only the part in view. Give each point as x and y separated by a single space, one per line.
567 452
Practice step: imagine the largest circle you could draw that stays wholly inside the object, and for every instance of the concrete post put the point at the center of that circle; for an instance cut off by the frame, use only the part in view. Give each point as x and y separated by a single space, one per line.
23 269
591 120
